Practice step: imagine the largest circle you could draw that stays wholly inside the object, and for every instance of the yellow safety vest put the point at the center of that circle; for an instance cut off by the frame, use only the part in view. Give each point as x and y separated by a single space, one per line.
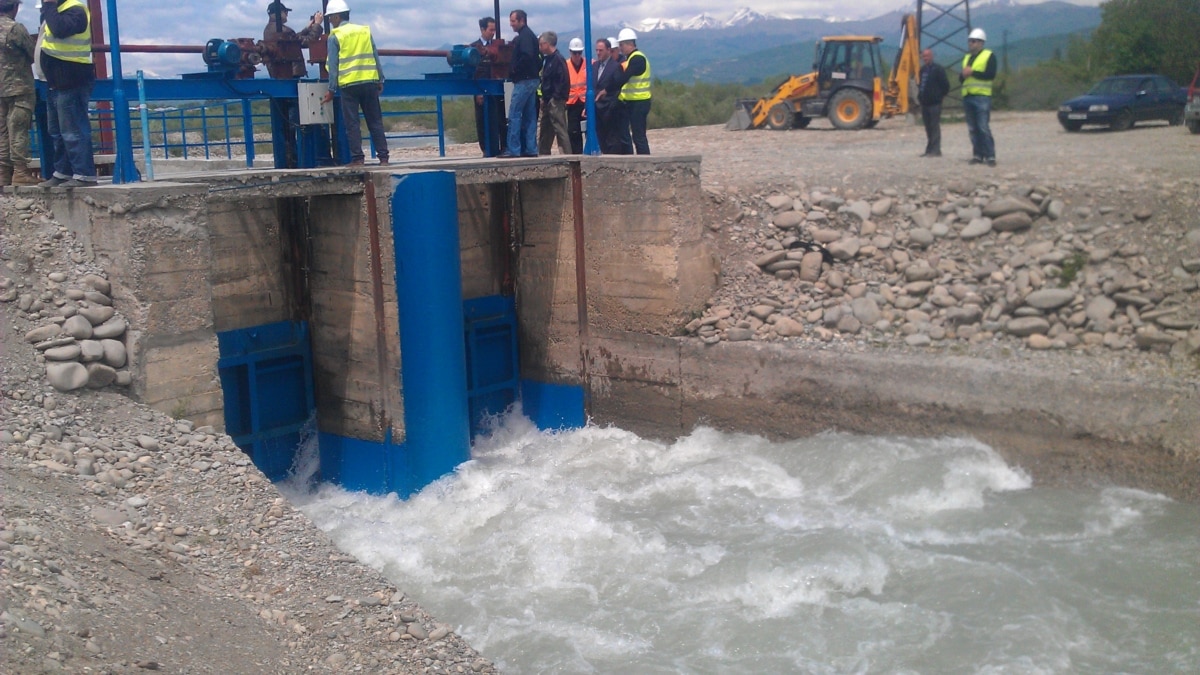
973 86
578 82
76 48
356 55
638 86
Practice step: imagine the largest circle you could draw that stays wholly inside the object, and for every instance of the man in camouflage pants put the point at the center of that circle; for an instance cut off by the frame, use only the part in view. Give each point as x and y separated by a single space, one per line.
16 97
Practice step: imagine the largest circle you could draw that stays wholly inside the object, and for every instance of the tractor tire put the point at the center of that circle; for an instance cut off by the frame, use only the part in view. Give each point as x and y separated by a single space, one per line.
849 109
1123 121
800 121
1194 126
779 117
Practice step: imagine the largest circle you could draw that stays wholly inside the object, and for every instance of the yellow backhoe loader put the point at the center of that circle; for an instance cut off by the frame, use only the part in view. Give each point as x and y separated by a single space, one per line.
846 86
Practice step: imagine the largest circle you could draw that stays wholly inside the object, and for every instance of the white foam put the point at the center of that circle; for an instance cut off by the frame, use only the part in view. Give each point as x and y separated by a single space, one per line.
597 551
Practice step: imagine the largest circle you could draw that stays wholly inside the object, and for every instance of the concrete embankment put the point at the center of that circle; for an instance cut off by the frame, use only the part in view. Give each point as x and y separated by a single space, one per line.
1063 426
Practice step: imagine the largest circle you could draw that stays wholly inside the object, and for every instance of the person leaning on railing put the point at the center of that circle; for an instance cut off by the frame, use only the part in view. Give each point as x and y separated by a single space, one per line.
66 60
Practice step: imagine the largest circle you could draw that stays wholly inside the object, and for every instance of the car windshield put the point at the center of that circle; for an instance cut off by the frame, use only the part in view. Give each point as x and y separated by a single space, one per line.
1116 85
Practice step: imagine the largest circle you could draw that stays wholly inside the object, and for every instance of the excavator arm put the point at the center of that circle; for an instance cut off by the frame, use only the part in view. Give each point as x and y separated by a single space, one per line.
898 92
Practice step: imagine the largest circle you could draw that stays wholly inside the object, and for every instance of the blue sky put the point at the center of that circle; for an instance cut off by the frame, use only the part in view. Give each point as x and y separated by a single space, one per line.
411 25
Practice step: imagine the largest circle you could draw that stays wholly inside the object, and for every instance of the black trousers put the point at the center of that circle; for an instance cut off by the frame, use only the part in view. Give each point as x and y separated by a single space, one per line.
575 127
932 116
499 128
365 96
639 111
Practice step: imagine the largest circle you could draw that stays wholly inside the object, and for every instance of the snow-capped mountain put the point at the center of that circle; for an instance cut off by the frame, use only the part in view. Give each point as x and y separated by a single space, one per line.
653 23
701 21
743 16
740 17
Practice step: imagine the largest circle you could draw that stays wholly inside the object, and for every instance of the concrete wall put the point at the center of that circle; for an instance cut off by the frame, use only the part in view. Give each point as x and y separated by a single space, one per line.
155 244
357 388
1063 429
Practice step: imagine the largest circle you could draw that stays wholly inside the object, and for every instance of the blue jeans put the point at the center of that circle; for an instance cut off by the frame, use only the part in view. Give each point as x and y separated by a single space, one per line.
977 110
522 118
71 133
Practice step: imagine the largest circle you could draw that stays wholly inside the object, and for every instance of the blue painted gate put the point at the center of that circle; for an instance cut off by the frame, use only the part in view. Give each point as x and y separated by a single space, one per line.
493 375
266 377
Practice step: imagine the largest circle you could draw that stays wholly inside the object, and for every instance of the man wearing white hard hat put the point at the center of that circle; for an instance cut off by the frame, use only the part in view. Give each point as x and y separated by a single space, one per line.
577 96
978 73
635 91
355 74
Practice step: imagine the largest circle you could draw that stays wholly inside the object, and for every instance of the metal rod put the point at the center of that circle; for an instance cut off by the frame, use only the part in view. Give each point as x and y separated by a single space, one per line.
580 272
145 126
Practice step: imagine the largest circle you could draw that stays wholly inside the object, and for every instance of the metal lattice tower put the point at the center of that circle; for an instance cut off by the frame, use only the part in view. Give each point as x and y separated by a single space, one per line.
944 24
944 27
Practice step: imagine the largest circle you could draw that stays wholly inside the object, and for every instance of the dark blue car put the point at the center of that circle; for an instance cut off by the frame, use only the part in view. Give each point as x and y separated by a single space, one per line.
1120 101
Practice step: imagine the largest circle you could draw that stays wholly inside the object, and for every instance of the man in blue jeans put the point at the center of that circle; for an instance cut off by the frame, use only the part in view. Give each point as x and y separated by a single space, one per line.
66 61
524 73
978 72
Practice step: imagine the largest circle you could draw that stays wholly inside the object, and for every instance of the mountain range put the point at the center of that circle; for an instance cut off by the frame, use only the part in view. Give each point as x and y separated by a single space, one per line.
749 47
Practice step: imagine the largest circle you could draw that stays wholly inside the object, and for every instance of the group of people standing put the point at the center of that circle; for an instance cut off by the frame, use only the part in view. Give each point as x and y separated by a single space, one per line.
549 94
63 55
977 72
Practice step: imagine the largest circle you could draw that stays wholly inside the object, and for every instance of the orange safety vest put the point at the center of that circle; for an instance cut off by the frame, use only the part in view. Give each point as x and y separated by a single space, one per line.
578 82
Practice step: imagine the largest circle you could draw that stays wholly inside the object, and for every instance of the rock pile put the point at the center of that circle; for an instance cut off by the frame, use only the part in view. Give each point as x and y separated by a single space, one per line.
173 505
967 264
79 335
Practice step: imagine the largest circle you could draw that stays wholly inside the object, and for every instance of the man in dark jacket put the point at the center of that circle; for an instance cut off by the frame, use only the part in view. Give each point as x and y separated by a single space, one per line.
608 88
66 61
932 88
284 60
523 72
556 84
489 115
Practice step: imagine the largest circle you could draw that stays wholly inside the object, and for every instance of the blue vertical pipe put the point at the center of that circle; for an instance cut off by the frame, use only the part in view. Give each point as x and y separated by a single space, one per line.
591 145
432 345
124 171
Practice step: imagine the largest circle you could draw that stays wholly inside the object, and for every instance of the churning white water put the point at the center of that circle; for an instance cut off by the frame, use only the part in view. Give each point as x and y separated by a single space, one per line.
596 551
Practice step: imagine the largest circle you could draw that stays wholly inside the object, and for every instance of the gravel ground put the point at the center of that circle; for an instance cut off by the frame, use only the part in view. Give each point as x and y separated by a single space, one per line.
134 542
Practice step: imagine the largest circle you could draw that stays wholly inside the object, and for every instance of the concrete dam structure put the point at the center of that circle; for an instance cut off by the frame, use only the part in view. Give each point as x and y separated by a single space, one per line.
400 307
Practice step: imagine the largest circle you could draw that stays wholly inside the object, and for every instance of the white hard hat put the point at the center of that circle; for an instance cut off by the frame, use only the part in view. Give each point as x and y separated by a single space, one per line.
576 45
978 34
612 42
336 7
626 34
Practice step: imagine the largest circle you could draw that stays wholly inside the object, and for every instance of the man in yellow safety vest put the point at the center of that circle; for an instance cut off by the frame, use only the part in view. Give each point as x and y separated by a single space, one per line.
354 72
978 73
635 91
66 60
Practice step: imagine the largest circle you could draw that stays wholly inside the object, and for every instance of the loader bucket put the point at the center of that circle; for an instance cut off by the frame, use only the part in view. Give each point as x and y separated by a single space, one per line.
741 121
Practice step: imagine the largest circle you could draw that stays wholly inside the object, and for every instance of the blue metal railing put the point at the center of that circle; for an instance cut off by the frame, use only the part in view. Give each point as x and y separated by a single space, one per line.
218 129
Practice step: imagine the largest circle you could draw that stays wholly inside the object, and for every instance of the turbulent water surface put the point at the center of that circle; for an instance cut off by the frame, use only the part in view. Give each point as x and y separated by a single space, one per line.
598 551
